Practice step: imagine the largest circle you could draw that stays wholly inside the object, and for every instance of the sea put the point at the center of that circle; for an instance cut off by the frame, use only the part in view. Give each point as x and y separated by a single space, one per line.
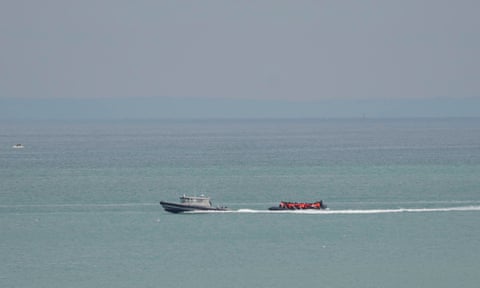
79 204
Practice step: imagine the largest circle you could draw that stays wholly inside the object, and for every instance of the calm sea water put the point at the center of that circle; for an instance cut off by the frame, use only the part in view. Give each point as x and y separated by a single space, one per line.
79 204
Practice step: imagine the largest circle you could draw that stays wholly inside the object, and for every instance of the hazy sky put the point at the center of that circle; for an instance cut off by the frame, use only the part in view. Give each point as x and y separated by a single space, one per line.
286 51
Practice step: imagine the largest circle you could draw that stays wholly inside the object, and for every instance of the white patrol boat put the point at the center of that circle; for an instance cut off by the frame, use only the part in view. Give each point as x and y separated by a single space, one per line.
191 204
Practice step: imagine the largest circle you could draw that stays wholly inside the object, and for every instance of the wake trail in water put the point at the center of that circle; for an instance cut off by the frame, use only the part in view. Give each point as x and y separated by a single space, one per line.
138 206
363 211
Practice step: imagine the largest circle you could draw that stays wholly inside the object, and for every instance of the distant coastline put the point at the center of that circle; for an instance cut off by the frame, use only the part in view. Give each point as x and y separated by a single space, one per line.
150 108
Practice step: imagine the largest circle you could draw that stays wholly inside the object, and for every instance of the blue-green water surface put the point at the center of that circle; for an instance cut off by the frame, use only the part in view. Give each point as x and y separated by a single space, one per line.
79 204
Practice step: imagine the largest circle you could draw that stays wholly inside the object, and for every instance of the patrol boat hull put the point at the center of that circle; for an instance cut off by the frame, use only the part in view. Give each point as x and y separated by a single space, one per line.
181 208
191 204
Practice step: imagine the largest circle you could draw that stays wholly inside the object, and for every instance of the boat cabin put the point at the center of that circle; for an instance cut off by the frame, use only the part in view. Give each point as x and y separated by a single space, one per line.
201 200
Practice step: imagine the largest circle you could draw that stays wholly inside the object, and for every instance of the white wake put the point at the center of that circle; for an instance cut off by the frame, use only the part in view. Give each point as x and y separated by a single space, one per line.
363 211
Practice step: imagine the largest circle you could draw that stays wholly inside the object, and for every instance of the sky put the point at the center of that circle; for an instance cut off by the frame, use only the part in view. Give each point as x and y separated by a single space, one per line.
259 59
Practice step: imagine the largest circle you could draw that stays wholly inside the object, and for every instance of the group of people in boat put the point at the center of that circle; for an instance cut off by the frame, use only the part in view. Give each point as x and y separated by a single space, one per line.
303 205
